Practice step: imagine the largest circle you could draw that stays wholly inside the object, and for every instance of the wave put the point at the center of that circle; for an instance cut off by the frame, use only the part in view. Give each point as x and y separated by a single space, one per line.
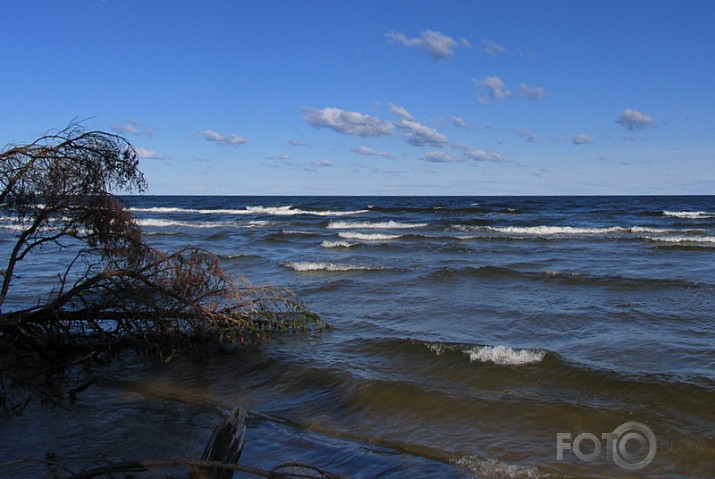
239 256
164 209
336 244
256 224
299 233
429 209
393 225
491 468
266 210
453 357
306 266
501 355
291 211
689 215
14 227
682 239
555 230
563 277
162 223
368 236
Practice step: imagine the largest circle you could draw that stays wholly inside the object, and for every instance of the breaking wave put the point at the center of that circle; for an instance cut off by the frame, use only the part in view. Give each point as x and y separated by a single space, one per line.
336 244
265 210
368 236
689 215
501 355
392 225
305 266
682 239
162 223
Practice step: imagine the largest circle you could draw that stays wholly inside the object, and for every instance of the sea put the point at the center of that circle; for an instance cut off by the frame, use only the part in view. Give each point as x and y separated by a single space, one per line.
471 337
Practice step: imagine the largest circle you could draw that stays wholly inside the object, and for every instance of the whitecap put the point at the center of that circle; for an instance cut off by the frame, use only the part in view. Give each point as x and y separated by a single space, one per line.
504 355
163 223
336 244
393 225
501 355
555 230
689 215
682 239
367 236
291 211
305 266
266 210
165 209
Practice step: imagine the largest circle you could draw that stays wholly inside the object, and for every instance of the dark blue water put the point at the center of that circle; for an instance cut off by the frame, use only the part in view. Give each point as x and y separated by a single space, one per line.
467 331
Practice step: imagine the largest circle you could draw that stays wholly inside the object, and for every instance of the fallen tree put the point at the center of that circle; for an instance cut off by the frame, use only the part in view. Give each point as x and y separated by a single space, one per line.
113 290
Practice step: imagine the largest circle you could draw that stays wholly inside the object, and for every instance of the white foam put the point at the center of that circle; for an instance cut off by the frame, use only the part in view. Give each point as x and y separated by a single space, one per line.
162 223
256 224
336 244
555 230
501 355
437 348
493 469
555 273
266 210
162 209
15 227
392 225
645 230
690 215
682 239
303 266
504 355
290 211
367 236
297 232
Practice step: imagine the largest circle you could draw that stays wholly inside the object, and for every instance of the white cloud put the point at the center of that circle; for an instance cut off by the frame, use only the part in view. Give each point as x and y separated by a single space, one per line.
144 153
439 46
532 93
283 158
129 127
481 155
634 120
296 143
323 163
364 150
231 140
526 134
400 111
440 157
133 127
492 48
493 88
348 122
581 139
459 122
418 134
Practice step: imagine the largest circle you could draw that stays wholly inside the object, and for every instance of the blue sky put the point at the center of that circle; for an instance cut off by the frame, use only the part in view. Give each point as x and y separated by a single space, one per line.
376 97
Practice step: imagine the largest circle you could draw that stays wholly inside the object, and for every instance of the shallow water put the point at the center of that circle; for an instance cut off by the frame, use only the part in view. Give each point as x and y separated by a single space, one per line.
467 333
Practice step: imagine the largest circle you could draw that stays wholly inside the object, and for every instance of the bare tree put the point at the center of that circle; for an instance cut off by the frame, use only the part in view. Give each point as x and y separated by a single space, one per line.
114 290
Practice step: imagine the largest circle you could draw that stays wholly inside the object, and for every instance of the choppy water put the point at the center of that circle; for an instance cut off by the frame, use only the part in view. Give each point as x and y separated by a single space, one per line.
467 333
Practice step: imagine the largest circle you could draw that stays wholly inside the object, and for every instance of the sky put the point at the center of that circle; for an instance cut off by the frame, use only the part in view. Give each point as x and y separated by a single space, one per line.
376 97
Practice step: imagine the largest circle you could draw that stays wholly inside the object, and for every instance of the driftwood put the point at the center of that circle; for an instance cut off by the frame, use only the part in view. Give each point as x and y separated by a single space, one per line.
225 446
